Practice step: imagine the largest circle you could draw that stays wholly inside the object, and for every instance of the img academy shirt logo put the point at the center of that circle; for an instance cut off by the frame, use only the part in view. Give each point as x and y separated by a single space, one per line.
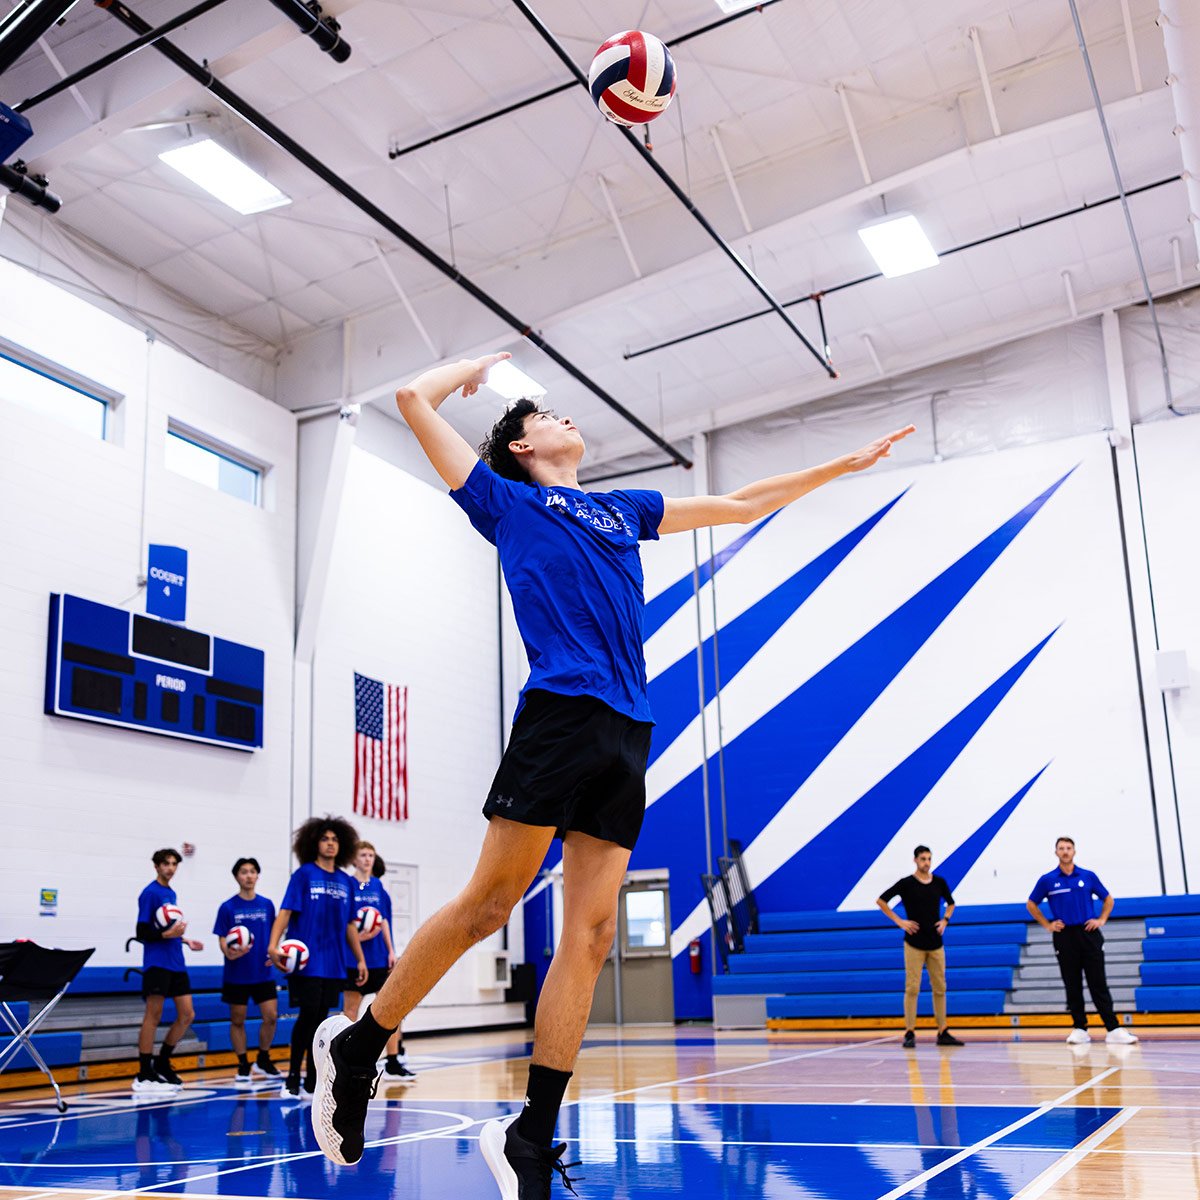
610 519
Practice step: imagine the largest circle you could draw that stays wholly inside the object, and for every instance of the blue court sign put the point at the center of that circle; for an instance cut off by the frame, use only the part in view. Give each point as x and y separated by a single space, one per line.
166 582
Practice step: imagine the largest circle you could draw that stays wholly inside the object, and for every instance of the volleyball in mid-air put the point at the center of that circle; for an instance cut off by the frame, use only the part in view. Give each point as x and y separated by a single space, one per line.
632 78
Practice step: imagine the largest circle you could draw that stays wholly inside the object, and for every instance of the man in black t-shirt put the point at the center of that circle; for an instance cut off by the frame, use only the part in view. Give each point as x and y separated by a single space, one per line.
923 923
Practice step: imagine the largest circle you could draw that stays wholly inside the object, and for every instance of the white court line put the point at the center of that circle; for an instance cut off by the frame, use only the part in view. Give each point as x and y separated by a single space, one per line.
464 1122
770 1062
1044 1182
917 1181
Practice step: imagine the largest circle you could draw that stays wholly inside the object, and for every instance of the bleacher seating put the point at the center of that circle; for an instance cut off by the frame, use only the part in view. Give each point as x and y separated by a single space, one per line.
847 964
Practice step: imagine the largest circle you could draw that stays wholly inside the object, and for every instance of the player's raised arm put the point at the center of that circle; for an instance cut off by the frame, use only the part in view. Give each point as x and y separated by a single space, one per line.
760 499
419 401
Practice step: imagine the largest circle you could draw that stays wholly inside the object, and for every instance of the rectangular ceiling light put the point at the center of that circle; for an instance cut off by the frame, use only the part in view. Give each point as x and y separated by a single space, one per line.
732 6
224 176
898 245
512 383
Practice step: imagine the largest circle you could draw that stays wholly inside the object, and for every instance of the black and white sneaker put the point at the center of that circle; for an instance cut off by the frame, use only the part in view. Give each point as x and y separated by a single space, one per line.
149 1084
263 1066
910 1040
396 1070
242 1078
291 1086
168 1074
522 1169
342 1095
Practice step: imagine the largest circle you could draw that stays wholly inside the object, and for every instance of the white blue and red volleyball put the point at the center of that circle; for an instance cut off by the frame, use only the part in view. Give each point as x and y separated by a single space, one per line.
632 78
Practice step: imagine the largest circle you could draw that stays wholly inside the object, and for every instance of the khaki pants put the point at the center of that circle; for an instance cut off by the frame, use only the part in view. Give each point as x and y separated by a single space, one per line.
933 961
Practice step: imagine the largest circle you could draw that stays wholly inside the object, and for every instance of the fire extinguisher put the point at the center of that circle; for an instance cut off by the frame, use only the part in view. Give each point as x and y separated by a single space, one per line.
694 955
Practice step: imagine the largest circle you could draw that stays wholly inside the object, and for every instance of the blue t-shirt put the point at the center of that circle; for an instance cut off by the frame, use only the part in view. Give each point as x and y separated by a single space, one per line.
1071 895
371 893
258 915
167 954
319 902
574 571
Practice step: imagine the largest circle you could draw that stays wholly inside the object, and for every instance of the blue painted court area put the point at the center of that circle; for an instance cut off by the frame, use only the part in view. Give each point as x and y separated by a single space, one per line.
222 1142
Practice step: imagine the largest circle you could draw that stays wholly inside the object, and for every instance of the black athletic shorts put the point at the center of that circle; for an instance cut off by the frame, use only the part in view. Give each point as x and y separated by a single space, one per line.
375 978
306 990
574 763
158 981
243 993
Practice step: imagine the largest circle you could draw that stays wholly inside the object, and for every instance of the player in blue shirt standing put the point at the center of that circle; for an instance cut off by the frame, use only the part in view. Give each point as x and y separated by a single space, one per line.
247 973
317 910
1078 942
575 765
164 976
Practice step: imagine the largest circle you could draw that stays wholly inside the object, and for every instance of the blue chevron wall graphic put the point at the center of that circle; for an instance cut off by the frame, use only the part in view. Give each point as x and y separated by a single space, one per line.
671 599
955 867
824 871
674 703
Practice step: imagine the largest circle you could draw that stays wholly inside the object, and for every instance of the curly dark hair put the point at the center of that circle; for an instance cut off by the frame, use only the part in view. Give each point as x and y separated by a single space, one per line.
379 870
308 837
510 428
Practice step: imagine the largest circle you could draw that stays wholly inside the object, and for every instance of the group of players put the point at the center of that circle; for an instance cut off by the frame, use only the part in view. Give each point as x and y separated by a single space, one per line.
338 876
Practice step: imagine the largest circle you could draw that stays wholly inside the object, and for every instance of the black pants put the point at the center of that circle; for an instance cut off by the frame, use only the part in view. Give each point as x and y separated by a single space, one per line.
1081 953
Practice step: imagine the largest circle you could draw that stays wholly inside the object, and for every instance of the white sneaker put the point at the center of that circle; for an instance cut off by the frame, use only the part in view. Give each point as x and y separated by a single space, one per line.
1078 1036
1120 1037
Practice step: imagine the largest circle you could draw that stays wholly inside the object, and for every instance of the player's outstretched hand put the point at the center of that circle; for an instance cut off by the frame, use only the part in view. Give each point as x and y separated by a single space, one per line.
872 452
482 367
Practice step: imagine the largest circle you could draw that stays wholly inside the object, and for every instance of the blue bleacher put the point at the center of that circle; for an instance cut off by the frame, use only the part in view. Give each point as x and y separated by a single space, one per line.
826 982
883 939
1003 955
892 1005
109 981
58 1049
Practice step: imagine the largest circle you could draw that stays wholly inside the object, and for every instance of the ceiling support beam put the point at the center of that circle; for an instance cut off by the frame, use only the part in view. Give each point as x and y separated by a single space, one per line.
242 108
675 190
21 28
117 55
1134 68
1180 24
616 220
984 80
719 146
400 291
559 89
853 128
1069 289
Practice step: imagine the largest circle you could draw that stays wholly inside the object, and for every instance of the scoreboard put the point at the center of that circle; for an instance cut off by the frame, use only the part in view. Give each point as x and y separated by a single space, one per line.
116 667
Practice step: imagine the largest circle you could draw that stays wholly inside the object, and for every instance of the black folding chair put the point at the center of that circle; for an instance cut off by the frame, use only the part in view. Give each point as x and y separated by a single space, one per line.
31 972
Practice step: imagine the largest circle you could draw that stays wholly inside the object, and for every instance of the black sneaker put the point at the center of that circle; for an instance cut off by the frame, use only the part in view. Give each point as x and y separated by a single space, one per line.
522 1169
910 1040
946 1038
291 1086
342 1094
242 1078
168 1074
397 1071
264 1066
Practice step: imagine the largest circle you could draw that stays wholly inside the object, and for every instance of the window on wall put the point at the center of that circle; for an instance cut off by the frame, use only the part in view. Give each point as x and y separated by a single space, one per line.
216 468
35 384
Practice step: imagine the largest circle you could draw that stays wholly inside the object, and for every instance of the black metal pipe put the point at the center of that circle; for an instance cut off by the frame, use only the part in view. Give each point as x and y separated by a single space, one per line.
121 52
559 89
287 143
323 30
33 188
850 283
625 474
676 190
21 28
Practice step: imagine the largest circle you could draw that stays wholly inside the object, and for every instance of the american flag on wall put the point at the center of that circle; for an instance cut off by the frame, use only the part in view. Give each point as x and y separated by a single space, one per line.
380 749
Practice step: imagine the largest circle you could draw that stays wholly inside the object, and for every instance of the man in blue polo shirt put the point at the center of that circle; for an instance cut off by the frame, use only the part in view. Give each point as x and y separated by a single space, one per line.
1078 942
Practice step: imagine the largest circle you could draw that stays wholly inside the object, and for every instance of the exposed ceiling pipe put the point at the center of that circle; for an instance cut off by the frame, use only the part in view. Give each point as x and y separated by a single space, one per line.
808 298
1134 244
120 53
312 22
1179 21
22 27
33 188
676 191
237 104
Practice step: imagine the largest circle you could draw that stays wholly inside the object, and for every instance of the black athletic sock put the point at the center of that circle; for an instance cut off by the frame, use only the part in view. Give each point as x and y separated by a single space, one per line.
543 1099
146 1064
400 1049
244 1061
393 1060
164 1054
364 1041
264 1056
